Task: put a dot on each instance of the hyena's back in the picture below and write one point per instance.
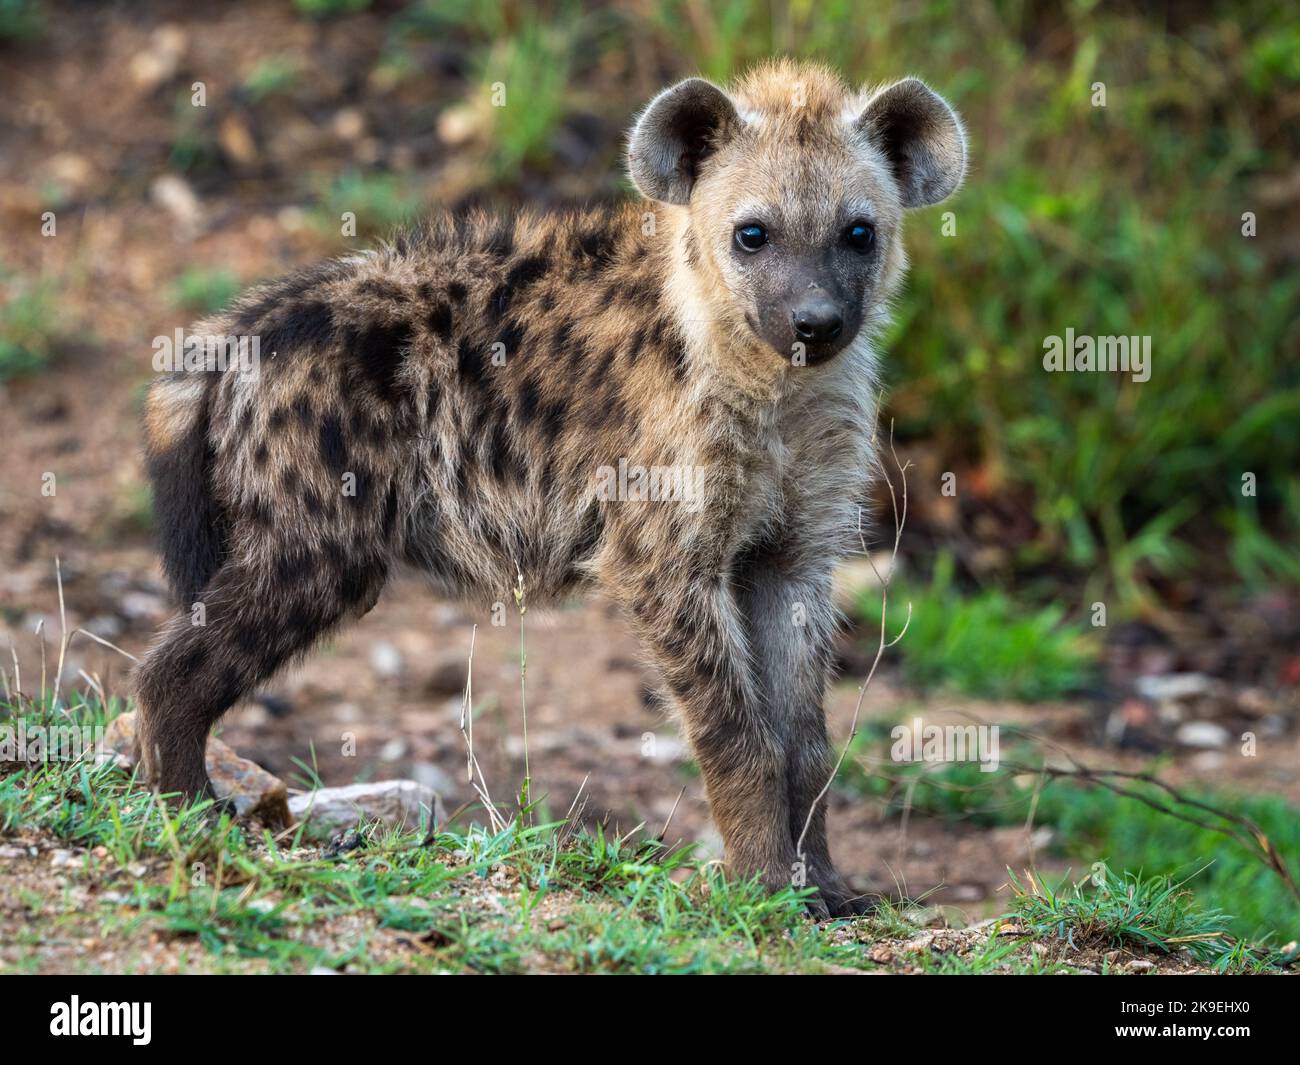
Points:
(444, 401)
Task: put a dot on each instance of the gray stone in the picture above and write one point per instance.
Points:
(398, 803)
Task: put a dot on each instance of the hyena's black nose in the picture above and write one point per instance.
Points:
(818, 321)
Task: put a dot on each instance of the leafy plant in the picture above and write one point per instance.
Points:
(984, 644)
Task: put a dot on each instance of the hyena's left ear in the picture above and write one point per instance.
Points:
(681, 128)
(921, 136)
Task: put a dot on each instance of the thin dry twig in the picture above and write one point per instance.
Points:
(900, 519)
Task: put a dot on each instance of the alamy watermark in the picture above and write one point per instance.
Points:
(30, 743)
(630, 482)
(919, 742)
(1085, 354)
(199, 352)
(77, 1018)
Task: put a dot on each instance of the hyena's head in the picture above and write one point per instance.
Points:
(793, 188)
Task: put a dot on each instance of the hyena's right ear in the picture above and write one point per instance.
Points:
(676, 133)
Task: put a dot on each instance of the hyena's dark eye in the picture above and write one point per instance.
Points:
(860, 236)
(751, 237)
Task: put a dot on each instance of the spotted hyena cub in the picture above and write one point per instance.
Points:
(489, 397)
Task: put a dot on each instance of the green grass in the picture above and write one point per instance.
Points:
(561, 898)
(242, 896)
(21, 19)
(533, 68)
(1093, 824)
(205, 289)
(274, 75)
(1110, 910)
(329, 8)
(28, 324)
(523, 60)
(379, 201)
(194, 147)
(984, 644)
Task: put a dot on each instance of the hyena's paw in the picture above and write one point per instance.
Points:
(837, 898)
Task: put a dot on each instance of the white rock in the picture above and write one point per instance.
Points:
(1202, 734)
(1173, 686)
(385, 659)
(395, 802)
(174, 195)
(394, 750)
(434, 777)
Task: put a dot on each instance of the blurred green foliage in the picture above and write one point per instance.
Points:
(982, 644)
(21, 19)
(28, 318)
(329, 8)
(273, 76)
(205, 289)
(379, 202)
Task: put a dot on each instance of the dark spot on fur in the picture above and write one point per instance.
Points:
(383, 290)
(676, 357)
(593, 527)
(506, 464)
(312, 501)
(597, 245)
(563, 339)
(690, 249)
(635, 345)
(309, 324)
(528, 398)
(390, 511)
(499, 301)
(554, 414)
(333, 449)
(512, 339)
(469, 363)
(362, 486)
(440, 321)
(376, 353)
(357, 581)
(293, 566)
(191, 661)
(527, 271)
(261, 512)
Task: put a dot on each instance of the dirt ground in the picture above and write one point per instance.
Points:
(83, 113)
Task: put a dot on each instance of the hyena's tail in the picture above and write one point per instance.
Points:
(179, 458)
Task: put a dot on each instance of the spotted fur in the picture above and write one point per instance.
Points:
(448, 401)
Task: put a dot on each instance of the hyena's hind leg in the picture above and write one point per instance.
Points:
(255, 618)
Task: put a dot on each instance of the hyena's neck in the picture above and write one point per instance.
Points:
(729, 359)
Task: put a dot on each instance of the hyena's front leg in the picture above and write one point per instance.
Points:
(697, 638)
(791, 626)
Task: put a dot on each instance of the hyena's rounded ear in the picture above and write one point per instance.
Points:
(674, 135)
(921, 136)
